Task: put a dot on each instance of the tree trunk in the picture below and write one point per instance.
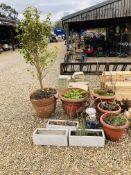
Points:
(40, 80)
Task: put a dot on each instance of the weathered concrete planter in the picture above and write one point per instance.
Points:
(48, 136)
(62, 124)
(95, 138)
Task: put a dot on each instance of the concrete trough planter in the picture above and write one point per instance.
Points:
(48, 136)
(63, 124)
(91, 138)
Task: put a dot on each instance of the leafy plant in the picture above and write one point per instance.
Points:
(108, 106)
(34, 37)
(74, 94)
(118, 120)
(104, 92)
(8, 12)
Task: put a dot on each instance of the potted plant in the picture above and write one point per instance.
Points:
(114, 125)
(72, 99)
(108, 107)
(86, 137)
(34, 38)
(103, 94)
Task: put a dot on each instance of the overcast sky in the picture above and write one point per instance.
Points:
(58, 8)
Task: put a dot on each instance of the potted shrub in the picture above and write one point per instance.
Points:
(108, 107)
(72, 99)
(103, 94)
(114, 125)
(34, 38)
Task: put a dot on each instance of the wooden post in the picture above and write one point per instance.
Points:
(12, 38)
(66, 27)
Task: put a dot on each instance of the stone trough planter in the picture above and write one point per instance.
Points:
(90, 138)
(48, 136)
(62, 124)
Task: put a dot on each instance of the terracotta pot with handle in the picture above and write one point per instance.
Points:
(99, 98)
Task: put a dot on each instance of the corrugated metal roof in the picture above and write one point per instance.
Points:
(89, 9)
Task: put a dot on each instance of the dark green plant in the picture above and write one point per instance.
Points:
(118, 120)
(74, 94)
(8, 12)
(104, 92)
(108, 106)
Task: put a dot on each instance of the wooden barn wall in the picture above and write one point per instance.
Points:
(121, 8)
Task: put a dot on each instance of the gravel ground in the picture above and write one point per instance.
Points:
(18, 155)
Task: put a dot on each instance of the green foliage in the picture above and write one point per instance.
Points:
(8, 11)
(104, 92)
(58, 25)
(118, 120)
(34, 38)
(74, 94)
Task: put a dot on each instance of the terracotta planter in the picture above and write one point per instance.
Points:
(102, 111)
(71, 106)
(113, 133)
(44, 107)
(99, 98)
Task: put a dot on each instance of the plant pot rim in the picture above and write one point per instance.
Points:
(103, 97)
(106, 111)
(88, 130)
(41, 99)
(110, 126)
(71, 100)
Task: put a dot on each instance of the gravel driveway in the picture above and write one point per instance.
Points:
(18, 155)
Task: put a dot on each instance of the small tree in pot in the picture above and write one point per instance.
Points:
(34, 38)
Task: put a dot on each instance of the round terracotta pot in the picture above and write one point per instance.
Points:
(44, 107)
(102, 111)
(99, 98)
(113, 133)
(71, 106)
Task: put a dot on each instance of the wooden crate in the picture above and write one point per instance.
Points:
(123, 95)
(119, 85)
(116, 76)
(120, 82)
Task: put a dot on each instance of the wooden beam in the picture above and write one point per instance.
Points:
(12, 39)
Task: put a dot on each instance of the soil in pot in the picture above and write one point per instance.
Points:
(45, 93)
(114, 125)
(63, 123)
(72, 99)
(86, 133)
(44, 101)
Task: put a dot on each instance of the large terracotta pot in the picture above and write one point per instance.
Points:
(99, 98)
(71, 106)
(102, 111)
(113, 133)
(44, 107)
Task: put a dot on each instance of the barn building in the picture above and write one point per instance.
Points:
(113, 15)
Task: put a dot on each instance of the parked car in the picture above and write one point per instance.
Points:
(52, 39)
(5, 47)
